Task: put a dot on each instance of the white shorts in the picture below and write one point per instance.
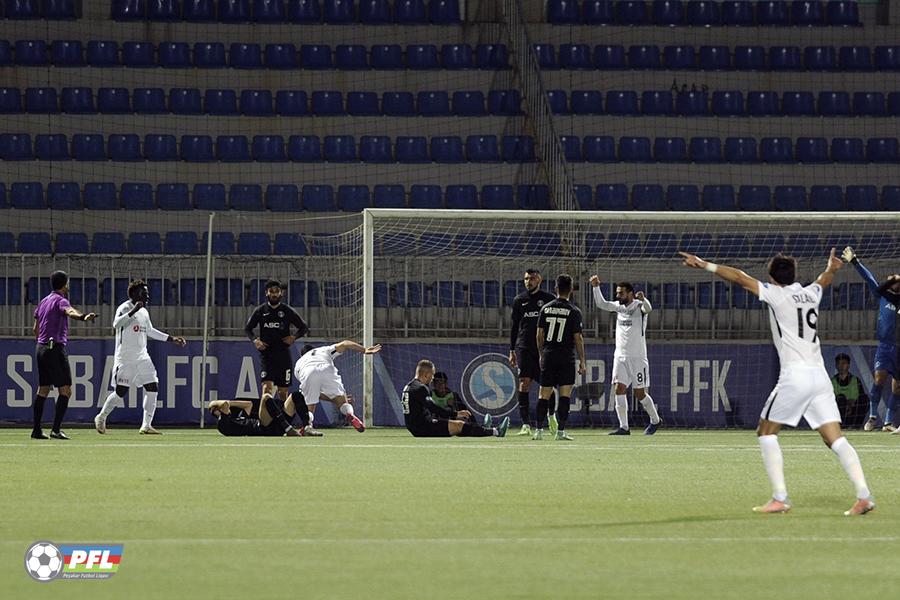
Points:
(138, 373)
(631, 371)
(317, 383)
(802, 392)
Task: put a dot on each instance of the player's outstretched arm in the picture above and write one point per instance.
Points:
(646, 307)
(351, 345)
(849, 256)
(725, 272)
(827, 276)
(601, 302)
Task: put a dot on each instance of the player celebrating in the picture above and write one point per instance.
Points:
(630, 365)
(274, 342)
(558, 335)
(424, 418)
(803, 388)
(319, 379)
(523, 352)
(886, 354)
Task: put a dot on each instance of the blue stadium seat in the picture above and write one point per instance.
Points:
(234, 11)
(598, 12)
(890, 198)
(108, 243)
(624, 244)
(209, 55)
(584, 197)
(185, 101)
(197, 148)
(482, 148)
(77, 100)
(804, 245)
(375, 149)
(426, 196)
(833, 104)
(563, 12)
(222, 243)
(558, 99)
(144, 243)
(772, 13)
(776, 150)
(353, 198)
(291, 103)
(258, 244)
(870, 104)
(173, 196)
(160, 147)
(23, 10)
(72, 243)
(281, 56)
(443, 11)
(304, 148)
(810, 150)
(351, 57)
(113, 100)
(412, 149)
(546, 56)
(635, 149)
(571, 145)
(669, 149)
(364, 103)
(422, 57)
(703, 13)
(220, 102)
(210, 196)
(6, 57)
(648, 197)
(462, 197)
(740, 150)
(621, 103)
(706, 149)
(149, 101)
(15, 146)
(304, 11)
(820, 58)
(199, 11)
(504, 102)
(386, 56)
(733, 245)
(10, 100)
(631, 12)
(887, 58)
(587, 102)
(269, 11)
(517, 148)
(640, 57)
(163, 10)
(534, 197)
(138, 54)
(100, 196)
(124, 147)
(433, 103)
(327, 103)
(318, 198)
(714, 58)
(268, 148)
(35, 243)
(31, 53)
(66, 53)
(290, 244)
(612, 197)
(807, 13)
(232, 148)
(457, 56)
(137, 196)
(497, 197)
(575, 56)
(256, 103)
(855, 58)
(679, 58)
(88, 146)
(245, 56)
(102, 53)
(245, 197)
(64, 196)
(410, 12)
(282, 198)
(41, 100)
(683, 197)
(883, 150)
(727, 104)
(827, 198)
(596, 148)
(847, 150)
(389, 196)
(754, 198)
(842, 12)
(862, 198)
(762, 104)
(51, 147)
(447, 149)
(374, 12)
(339, 11)
(790, 198)
(174, 55)
(608, 58)
(667, 12)
(692, 103)
(719, 198)
(654, 103)
(697, 243)
(794, 104)
(491, 56)
(785, 58)
(749, 58)
(339, 148)
(468, 104)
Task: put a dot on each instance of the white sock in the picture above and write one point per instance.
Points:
(774, 461)
(647, 403)
(311, 416)
(850, 462)
(111, 401)
(149, 408)
(347, 409)
(622, 410)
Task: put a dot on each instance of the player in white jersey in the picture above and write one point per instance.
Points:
(630, 365)
(132, 365)
(319, 379)
(803, 388)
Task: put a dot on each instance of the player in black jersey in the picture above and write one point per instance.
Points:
(523, 351)
(424, 418)
(558, 336)
(235, 418)
(275, 339)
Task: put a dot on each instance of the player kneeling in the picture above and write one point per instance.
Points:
(424, 418)
(234, 418)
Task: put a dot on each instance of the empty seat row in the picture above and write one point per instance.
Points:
(731, 103)
(54, 10)
(268, 148)
(719, 58)
(806, 150)
(191, 101)
(276, 197)
(213, 55)
(375, 12)
(702, 12)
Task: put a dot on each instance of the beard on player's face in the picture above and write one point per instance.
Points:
(274, 297)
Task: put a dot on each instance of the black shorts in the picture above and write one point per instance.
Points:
(559, 369)
(429, 428)
(276, 367)
(53, 365)
(529, 363)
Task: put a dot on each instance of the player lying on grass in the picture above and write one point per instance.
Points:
(234, 418)
(424, 418)
(803, 389)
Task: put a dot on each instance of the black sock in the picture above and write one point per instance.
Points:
(277, 415)
(472, 430)
(551, 404)
(541, 412)
(301, 408)
(562, 413)
(38, 410)
(62, 403)
(523, 408)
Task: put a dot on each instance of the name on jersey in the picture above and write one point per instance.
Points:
(803, 298)
(552, 310)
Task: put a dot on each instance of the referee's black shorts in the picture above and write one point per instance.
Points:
(53, 365)
(429, 428)
(529, 363)
(275, 366)
(559, 369)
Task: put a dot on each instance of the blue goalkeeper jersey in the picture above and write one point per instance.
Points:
(885, 329)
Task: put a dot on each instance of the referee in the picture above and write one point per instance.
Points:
(51, 330)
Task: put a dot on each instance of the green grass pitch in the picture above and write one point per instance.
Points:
(383, 515)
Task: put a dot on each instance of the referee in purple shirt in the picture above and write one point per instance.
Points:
(51, 330)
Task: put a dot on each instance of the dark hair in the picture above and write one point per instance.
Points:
(273, 283)
(841, 357)
(783, 269)
(532, 271)
(626, 286)
(136, 285)
(564, 284)
(58, 280)
(306, 348)
(440, 376)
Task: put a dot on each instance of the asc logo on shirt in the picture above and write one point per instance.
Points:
(489, 385)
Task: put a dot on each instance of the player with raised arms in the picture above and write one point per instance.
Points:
(803, 389)
(133, 365)
(630, 365)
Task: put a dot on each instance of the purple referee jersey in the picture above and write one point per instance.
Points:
(52, 319)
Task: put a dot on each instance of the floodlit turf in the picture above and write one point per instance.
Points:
(382, 515)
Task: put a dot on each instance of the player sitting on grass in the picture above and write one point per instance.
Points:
(234, 418)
